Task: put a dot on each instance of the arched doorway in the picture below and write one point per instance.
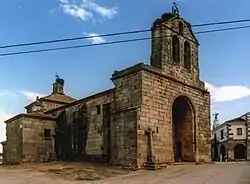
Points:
(183, 130)
(239, 151)
(223, 152)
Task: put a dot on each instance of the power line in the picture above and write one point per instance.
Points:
(221, 23)
(72, 47)
(110, 43)
(115, 34)
(220, 30)
(72, 39)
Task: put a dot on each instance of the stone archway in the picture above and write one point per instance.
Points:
(239, 151)
(183, 130)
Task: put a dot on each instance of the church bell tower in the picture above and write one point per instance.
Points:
(174, 47)
(58, 86)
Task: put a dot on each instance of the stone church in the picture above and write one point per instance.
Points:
(154, 115)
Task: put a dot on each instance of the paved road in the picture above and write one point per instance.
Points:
(226, 173)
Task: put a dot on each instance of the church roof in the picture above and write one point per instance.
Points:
(37, 115)
(56, 97)
(109, 91)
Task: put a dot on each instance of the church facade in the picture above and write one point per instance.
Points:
(154, 115)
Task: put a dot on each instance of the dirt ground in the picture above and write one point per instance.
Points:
(70, 171)
(83, 173)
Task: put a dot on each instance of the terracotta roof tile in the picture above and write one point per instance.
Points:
(37, 115)
(83, 100)
(59, 98)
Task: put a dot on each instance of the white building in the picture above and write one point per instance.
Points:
(231, 139)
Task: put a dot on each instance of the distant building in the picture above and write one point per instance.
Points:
(1, 158)
(154, 114)
(229, 140)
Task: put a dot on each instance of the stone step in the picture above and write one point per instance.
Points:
(53, 157)
(183, 163)
(157, 166)
(191, 163)
(152, 166)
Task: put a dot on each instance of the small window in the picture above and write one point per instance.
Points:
(222, 134)
(47, 133)
(187, 56)
(176, 49)
(239, 131)
(98, 109)
(180, 28)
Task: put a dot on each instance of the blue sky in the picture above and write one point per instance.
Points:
(224, 57)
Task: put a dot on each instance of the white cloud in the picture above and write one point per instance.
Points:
(4, 92)
(108, 13)
(85, 9)
(75, 11)
(95, 38)
(31, 95)
(227, 93)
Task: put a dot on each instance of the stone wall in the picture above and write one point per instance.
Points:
(96, 136)
(148, 93)
(127, 100)
(169, 79)
(92, 122)
(13, 145)
(35, 146)
(162, 51)
(158, 95)
(4, 156)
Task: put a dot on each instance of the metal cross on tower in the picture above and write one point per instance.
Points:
(175, 8)
(216, 114)
(57, 76)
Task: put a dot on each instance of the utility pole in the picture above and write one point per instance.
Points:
(228, 140)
